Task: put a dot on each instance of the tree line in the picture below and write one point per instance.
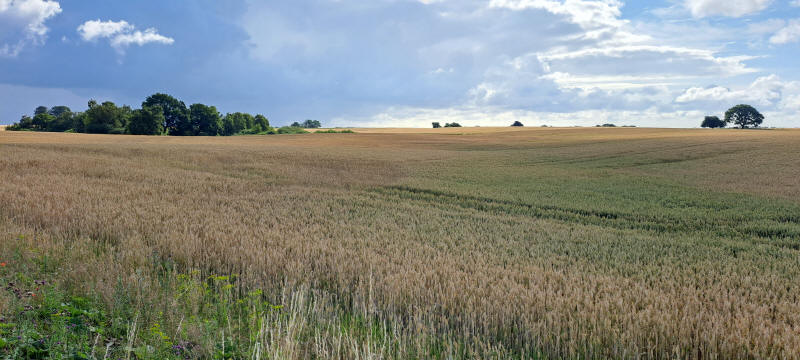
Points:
(160, 114)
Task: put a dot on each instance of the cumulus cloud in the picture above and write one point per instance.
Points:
(731, 8)
(788, 34)
(95, 29)
(121, 34)
(22, 22)
(765, 91)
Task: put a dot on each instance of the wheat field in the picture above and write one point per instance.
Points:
(407, 243)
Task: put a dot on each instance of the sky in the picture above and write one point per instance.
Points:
(407, 63)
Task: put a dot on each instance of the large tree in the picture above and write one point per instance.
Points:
(146, 121)
(106, 118)
(176, 115)
(206, 120)
(261, 121)
(40, 110)
(744, 116)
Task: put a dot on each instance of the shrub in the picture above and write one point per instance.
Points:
(517, 123)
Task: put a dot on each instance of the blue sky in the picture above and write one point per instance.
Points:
(410, 62)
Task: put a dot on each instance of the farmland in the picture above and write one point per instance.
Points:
(403, 243)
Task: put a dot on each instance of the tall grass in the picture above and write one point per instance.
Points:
(531, 243)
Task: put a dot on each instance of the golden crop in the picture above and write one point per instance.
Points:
(497, 242)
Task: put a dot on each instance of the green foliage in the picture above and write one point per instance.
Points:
(176, 115)
(175, 118)
(42, 121)
(146, 121)
(713, 122)
(40, 110)
(517, 123)
(291, 130)
(206, 120)
(236, 123)
(59, 110)
(744, 116)
(436, 124)
(261, 120)
(453, 124)
(308, 124)
(606, 125)
(106, 118)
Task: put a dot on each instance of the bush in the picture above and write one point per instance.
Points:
(436, 125)
(455, 124)
(517, 123)
(291, 130)
(332, 131)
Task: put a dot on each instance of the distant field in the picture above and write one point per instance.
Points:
(404, 243)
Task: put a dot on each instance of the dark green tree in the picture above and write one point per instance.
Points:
(296, 124)
(42, 121)
(106, 118)
(40, 110)
(517, 123)
(146, 121)
(79, 122)
(744, 116)
(436, 125)
(311, 124)
(58, 110)
(262, 121)
(176, 115)
(712, 122)
(454, 124)
(206, 120)
(62, 122)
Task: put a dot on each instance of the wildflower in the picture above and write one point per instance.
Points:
(2, 264)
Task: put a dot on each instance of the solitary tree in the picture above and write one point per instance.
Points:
(712, 122)
(436, 125)
(744, 116)
(517, 123)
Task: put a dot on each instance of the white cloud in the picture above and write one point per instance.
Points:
(731, 8)
(788, 34)
(150, 35)
(587, 14)
(94, 29)
(121, 34)
(22, 22)
(765, 91)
